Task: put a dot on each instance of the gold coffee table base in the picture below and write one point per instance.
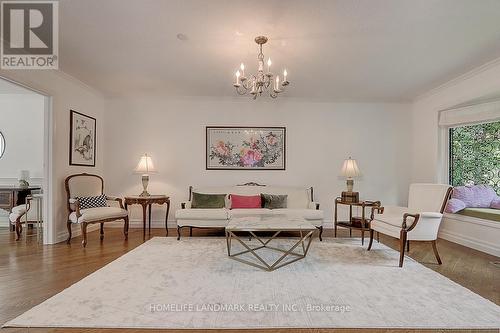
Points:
(304, 240)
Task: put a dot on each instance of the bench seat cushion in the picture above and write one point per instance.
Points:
(482, 213)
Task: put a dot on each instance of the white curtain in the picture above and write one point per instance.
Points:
(478, 113)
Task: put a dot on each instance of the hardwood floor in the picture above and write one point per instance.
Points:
(31, 273)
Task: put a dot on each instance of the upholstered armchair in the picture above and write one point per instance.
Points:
(88, 185)
(419, 221)
(27, 213)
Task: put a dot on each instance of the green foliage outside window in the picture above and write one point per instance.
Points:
(475, 155)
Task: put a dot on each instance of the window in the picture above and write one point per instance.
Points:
(475, 155)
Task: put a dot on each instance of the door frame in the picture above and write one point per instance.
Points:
(49, 226)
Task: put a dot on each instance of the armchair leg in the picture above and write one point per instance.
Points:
(190, 231)
(101, 237)
(434, 247)
(320, 233)
(371, 240)
(19, 229)
(68, 225)
(402, 243)
(125, 228)
(178, 233)
(83, 226)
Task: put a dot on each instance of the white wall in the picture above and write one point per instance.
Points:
(67, 93)
(22, 123)
(319, 137)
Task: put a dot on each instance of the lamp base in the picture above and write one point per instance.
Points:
(350, 184)
(145, 182)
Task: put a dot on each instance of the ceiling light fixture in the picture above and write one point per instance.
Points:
(260, 82)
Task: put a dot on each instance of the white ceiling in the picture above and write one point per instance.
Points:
(343, 50)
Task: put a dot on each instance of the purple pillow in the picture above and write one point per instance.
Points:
(455, 205)
(495, 204)
(477, 196)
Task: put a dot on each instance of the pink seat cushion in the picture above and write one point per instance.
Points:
(245, 201)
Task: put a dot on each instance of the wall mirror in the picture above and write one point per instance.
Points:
(2, 144)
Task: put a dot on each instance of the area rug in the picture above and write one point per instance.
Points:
(191, 283)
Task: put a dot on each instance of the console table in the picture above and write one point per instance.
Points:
(12, 196)
(361, 223)
(146, 202)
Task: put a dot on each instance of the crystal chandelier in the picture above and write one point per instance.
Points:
(260, 82)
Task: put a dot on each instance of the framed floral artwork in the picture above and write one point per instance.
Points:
(245, 148)
(82, 139)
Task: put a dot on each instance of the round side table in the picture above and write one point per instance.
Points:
(146, 202)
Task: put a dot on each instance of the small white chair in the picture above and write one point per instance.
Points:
(88, 185)
(419, 221)
(29, 213)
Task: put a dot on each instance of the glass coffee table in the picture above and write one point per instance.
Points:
(240, 228)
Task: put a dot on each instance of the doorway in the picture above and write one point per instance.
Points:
(26, 155)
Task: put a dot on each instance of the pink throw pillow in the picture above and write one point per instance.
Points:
(454, 205)
(495, 204)
(245, 201)
(476, 196)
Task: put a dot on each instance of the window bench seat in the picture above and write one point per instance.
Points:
(482, 213)
(477, 228)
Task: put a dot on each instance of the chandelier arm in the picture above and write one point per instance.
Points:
(240, 91)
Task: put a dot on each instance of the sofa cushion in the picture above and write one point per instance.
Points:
(202, 214)
(308, 214)
(298, 197)
(204, 200)
(249, 212)
(99, 213)
(245, 201)
(274, 201)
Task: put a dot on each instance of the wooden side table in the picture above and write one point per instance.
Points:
(147, 202)
(361, 223)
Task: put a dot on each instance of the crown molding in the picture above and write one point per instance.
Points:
(453, 82)
(62, 74)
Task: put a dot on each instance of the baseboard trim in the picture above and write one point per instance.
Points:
(76, 231)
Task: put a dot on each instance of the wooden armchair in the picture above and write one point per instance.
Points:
(87, 185)
(419, 221)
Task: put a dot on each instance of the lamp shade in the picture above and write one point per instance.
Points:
(145, 165)
(350, 169)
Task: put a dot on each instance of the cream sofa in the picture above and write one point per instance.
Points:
(300, 202)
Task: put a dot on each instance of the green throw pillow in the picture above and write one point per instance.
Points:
(201, 200)
(273, 201)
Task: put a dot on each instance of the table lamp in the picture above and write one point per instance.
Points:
(350, 170)
(145, 167)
